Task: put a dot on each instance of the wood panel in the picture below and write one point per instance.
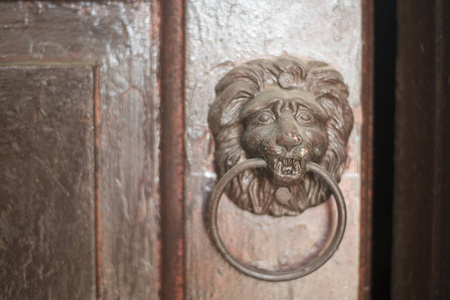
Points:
(122, 41)
(47, 236)
(219, 36)
(421, 257)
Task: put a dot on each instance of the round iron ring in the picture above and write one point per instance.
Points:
(280, 275)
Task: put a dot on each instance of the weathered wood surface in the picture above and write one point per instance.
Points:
(367, 143)
(122, 41)
(47, 233)
(220, 35)
(421, 256)
(172, 150)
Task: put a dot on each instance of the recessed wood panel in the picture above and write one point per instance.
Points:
(47, 232)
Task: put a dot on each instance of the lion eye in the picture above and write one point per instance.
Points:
(305, 117)
(266, 118)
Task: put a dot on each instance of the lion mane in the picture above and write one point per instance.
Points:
(251, 190)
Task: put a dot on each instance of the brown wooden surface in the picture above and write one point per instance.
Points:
(122, 41)
(421, 257)
(47, 247)
(366, 149)
(442, 164)
(119, 44)
(219, 36)
(172, 149)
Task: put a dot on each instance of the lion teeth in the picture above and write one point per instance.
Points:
(287, 161)
(287, 170)
(289, 166)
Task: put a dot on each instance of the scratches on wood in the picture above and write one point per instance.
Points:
(46, 183)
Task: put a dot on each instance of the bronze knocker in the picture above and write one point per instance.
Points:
(281, 128)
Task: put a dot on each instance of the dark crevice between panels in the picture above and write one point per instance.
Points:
(384, 132)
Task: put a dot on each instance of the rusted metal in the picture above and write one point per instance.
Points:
(278, 275)
(172, 149)
(366, 150)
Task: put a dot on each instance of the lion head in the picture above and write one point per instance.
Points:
(288, 112)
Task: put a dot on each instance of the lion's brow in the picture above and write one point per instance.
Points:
(258, 106)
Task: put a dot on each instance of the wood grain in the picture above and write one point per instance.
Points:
(47, 208)
(367, 94)
(172, 149)
(421, 256)
(122, 41)
(219, 36)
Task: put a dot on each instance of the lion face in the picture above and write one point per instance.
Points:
(287, 129)
(288, 112)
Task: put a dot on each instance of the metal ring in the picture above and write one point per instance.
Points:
(267, 274)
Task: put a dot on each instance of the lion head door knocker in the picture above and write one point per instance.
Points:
(281, 128)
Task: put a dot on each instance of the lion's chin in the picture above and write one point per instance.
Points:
(287, 171)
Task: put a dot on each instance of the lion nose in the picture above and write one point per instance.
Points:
(289, 140)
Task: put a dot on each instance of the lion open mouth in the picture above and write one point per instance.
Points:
(286, 170)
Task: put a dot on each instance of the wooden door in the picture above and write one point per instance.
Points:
(106, 155)
(79, 150)
(219, 36)
(421, 244)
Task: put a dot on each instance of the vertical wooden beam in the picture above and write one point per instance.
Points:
(367, 149)
(172, 149)
(98, 219)
(414, 155)
(442, 163)
(421, 210)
